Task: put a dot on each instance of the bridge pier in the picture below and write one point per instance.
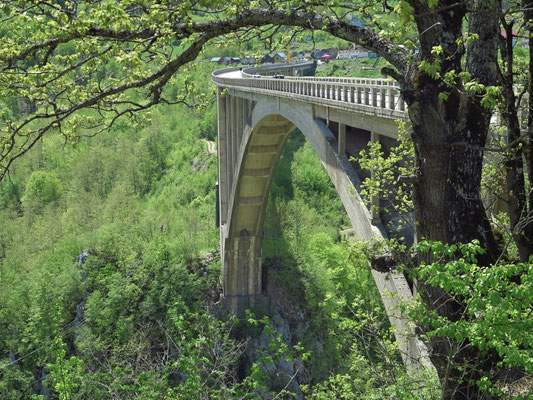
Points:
(375, 206)
(242, 273)
(222, 160)
(342, 140)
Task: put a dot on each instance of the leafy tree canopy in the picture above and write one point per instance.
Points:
(80, 65)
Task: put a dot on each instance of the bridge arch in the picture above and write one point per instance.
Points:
(263, 140)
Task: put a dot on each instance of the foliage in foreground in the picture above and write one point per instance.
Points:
(497, 319)
(134, 319)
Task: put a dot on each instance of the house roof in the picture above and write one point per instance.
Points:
(504, 33)
(357, 22)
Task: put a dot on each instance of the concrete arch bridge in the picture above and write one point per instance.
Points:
(256, 115)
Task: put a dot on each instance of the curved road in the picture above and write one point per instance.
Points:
(211, 147)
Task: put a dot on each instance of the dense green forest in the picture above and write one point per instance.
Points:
(109, 265)
(135, 318)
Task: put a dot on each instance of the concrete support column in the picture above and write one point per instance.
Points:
(401, 104)
(234, 131)
(245, 113)
(239, 120)
(342, 140)
(222, 159)
(374, 206)
(229, 144)
(391, 99)
(242, 272)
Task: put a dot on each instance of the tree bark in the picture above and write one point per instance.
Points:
(447, 135)
(528, 145)
(515, 190)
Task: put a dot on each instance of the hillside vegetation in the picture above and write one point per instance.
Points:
(134, 319)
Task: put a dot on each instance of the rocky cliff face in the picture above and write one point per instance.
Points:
(287, 326)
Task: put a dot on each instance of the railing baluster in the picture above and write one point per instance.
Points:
(401, 103)
(391, 99)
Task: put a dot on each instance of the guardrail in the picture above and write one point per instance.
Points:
(382, 94)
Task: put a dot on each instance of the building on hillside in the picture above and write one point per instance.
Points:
(274, 58)
(222, 60)
(248, 60)
(361, 53)
(346, 54)
(518, 39)
(267, 58)
(280, 57)
(515, 35)
(360, 23)
(318, 53)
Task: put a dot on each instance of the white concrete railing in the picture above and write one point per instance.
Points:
(379, 93)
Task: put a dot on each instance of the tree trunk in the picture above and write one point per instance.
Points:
(449, 209)
(515, 190)
(448, 136)
(528, 145)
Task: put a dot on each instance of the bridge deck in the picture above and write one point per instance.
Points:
(376, 97)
